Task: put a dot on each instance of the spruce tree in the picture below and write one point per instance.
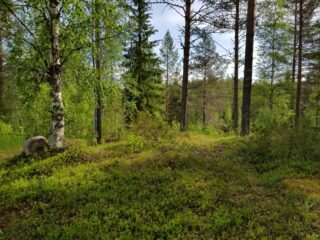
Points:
(143, 89)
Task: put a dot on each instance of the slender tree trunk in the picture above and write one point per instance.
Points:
(273, 65)
(294, 56)
(167, 88)
(56, 138)
(247, 81)
(204, 101)
(186, 55)
(98, 72)
(140, 106)
(299, 79)
(235, 114)
(272, 85)
(318, 104)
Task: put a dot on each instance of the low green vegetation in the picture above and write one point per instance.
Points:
(192, 186)
(128, 137)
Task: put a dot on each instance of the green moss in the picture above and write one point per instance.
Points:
(192, 187)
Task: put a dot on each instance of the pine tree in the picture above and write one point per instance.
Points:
(205, 59)
(274, 45)
(235, 105)
(305, 14)
(170, 57)
(247, 81)
(143, 89)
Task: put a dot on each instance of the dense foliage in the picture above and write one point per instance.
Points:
(89, 76)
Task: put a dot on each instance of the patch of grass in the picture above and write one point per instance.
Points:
(10, 144)
(192, 187)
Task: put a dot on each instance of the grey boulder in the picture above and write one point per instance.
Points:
(35, 144)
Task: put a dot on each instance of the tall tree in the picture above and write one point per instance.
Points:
(205, 61)
(185, 8)
(170, 57)
(274, 39)
(295, 29)
(235, 109)
(305, 16)
(247, 81)
(300, 59)
(294, 53)
(108, 24)
(143, 88)
(57, 114)
(42, 29)
(186, 59)
(97, 63)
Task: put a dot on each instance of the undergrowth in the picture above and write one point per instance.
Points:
(193, 186)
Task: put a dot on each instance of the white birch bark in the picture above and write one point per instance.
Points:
(56, 138)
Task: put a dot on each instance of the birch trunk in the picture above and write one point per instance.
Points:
(56, 138)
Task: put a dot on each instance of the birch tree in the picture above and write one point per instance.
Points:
(44, 36)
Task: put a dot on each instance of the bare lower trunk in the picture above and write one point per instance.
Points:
(273, 65)
(294, 57)
(299, 79)
(98, 84)
(56, 138)
(186, 55)
(167, 87)
(235, 114)
(204, 100)
(247, 81)
(318, 105)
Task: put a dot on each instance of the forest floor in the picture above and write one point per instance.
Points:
(192, 187)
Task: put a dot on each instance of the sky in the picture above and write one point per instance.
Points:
(165, 18)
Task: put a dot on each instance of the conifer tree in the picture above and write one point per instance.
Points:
(274, 45)
(143, 88)
(248, 67)
(205, 61)
(169, 57)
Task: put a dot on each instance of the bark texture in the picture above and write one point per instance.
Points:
(98, 109)
(299, 77)
(204, 100)
(294, 55)
(186, 59)
(56, 138)
(247, 81)
(235, 113)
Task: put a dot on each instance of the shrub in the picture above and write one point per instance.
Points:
(135, 143)
(151, 128)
